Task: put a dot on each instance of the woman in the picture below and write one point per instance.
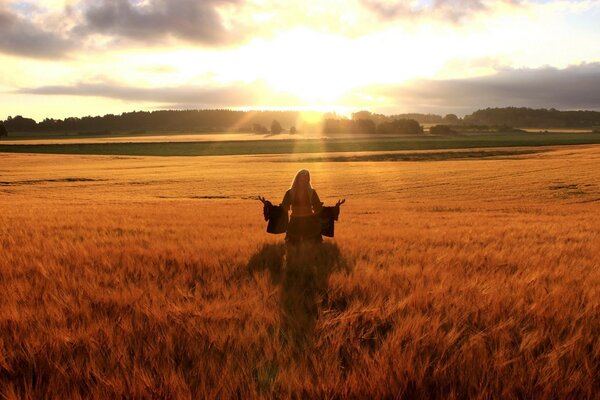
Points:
(309, 219)
(304, 222)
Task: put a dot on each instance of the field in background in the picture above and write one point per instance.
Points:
(149, 137)
(190, 136)
(153, 277)
(213, 145)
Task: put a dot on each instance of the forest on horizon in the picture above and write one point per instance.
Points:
(291, 121)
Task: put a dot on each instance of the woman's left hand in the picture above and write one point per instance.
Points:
(263, 200)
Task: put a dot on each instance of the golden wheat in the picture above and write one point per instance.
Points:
(146, 277)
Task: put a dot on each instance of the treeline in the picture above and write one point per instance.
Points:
(370, 127)
(420, 118)
(501, 118)
(168, 120)
(531, 118)
(263, 122)
(488, 120)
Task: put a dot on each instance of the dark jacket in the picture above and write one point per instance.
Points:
(277, 217)
(312, 204)
(328, 217)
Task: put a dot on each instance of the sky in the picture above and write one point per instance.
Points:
(61, 58)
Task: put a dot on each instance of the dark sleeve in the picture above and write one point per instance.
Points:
(287, 201)
(317, 205)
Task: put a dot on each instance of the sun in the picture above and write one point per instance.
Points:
(299, 68)
(323, 69)
(310, 65)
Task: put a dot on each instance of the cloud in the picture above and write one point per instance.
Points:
(574, 87)
(18, 36)
(235, 95)
(571, 88)
(158, 69)
(31, 30)
(451, 10)
(196, 21)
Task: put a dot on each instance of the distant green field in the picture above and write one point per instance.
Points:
(308, 145)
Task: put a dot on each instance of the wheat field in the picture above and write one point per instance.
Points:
(153, 277)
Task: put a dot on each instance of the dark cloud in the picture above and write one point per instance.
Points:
(575, 87)
(451, 10)
(192, 20)
(152, 21)
(253, 94)
(21, 37)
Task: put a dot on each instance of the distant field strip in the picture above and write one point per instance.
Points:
(425, 156)
(36, 181)
(306, 146)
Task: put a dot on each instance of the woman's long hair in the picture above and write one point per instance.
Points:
(295, 183)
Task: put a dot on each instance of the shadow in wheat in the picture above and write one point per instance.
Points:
(303, 272)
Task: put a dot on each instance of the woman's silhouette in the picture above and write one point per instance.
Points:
(309, 218)
(305, 223)
(304, 201)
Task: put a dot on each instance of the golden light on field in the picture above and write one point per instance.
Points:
(134, 257)
(153, 276)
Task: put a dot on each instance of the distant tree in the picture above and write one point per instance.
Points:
(366, 126)
(293, 130)
(276, 127)
(20, 124)
(400, 127)
(451, 119)
(420, 118)
(377, 118)
(3, 131)
(442, 130)
(361, 115)
(258, 128)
